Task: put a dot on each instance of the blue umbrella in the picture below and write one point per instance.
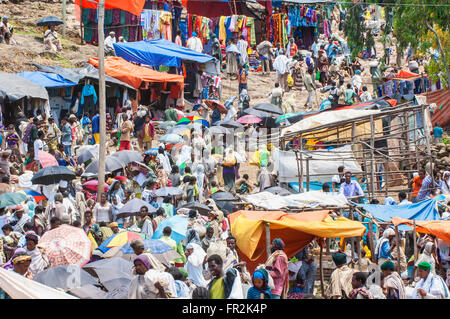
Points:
(153, 151)
(156, 247)
(171, 139)
(49, 21)
(177, 223)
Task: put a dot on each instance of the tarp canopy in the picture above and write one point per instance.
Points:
(78, 74)
(424, 210)
(133, 6)
(217, 8)
(16, 87)
(296, 230)
(322, 162)
(335, 117)
(48, 80)
(271, 201)
(158, 52)
(134, 74)
(403, 75)
(439, 228)
(20, 287)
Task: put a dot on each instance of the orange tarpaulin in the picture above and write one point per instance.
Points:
(133, 6)
(296, 230)
(439, 228)
(134, 75)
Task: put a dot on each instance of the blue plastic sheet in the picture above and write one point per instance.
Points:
(158, 52)
(47, 80)
(425, 210)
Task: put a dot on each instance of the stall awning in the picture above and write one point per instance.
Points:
(133, 6)
(16, 87)
(296, 230)
(78, 74)
(424, 210)
(48, 80)
(133, 74)
(439, 228)
(158, 52)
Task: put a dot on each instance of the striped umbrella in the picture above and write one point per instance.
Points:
(193, 119)
(120, 239)
(36, 196)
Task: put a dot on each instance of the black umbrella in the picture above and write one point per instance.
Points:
(230, 124)
(112, 163)
(224, 201)
(202, 209)
(219, 130)
(49, 21)
(52, 175)
(168, 191)
(269, 108)
(87, 155)
(222, 196)
(277, 190)
(258, 113)
(65, 277)
(128, 156)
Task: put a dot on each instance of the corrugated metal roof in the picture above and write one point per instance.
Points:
(440, 98)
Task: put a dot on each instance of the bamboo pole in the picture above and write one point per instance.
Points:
(307, 174)
(268, 243)
(416, 253)
(397, 241)
(372, 164)
(64, 12)
(358, 251)
(102, 95)
(321, 271)
(81, 23)
(298, 172)
(371, 241)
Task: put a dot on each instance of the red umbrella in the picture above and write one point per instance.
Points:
(93, 185)
(47, 159)
(67, 245)
(249, 119)
(121, 178)
(212, 103)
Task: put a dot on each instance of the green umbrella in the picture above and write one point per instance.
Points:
(283, 117)
(9, 199)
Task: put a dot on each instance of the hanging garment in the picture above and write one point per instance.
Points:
(222, 30)
(88, 90)
(232, 26)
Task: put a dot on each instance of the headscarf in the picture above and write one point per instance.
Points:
(9, 264)
(32, 237)
(150, 261)
(445, 184)
(192, 237)
(428, 249)
(198, 254)
(388, 265)
(261, 274)
(389, 201)
(20, 258)
(386, 234)
(278, 243)
(339, 258)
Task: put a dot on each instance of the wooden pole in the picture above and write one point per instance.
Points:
(102, 95)
(321, 271)
(298, 170)
(81, 23)
(371, 241)
(307, 174)
(397, 241)
(267, 227)
(301, 165)
(352, 239)
(64, 12)
(416, 253)
(358, 251)
(372, 162)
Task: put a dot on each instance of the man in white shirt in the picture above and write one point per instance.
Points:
(338, 179)
(147, 226)
(51, 40)
(430, 286)
(38, 146)
(402, 199)
(365, 96)
(194, 43)
(109, 41)
(242, 46)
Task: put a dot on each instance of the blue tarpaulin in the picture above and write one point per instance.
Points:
(158, 52)
(424, 210)
(48, 80)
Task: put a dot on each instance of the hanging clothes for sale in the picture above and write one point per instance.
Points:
(88, 99)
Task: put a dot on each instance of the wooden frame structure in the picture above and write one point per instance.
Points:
(388, 145)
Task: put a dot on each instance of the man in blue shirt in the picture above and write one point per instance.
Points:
(437, 132)
(331, 50)
(96, 128)
(350, 188)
